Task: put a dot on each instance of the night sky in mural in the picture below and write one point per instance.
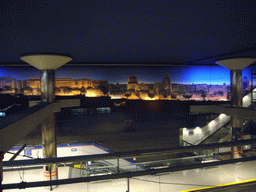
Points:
(114, 74)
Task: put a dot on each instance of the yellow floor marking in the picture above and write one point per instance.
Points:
(233, 183)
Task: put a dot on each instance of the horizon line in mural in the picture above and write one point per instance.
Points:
(178, 74)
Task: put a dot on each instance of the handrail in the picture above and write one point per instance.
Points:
(24, 185)
(189, 144)
(141, 153)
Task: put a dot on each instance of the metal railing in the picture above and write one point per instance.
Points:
(112, 165)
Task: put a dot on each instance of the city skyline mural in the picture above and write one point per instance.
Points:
(120, 74)
(130, 82)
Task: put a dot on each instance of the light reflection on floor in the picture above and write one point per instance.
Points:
(170, 182)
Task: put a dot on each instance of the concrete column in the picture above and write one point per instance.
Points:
(236, 88)
(47, 85)
(235, 66)
(49, 137)
(1, 175)
(181, 136)
(237, 125)
(236, 101)
(48, 63)
(49, 145)
(1, 169)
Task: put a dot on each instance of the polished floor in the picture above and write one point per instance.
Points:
(168, 182)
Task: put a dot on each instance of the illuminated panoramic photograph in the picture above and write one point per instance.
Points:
(145, 83)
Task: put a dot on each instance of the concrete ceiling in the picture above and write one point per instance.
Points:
(124, 31)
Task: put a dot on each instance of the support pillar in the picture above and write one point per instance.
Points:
(1, 169)
(236, 88)
(48, 63)
(47, 85)
(236, 101)
(235, 66)
(1, 175)
(49, 147)
(49, 144)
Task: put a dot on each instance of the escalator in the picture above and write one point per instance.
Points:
(219, 127)
(224, 133)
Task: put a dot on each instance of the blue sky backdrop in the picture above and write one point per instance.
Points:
(120, 74)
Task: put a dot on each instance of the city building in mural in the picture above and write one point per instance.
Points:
(133, 89)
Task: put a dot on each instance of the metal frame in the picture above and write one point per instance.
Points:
(24, 185)
(130, 154)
